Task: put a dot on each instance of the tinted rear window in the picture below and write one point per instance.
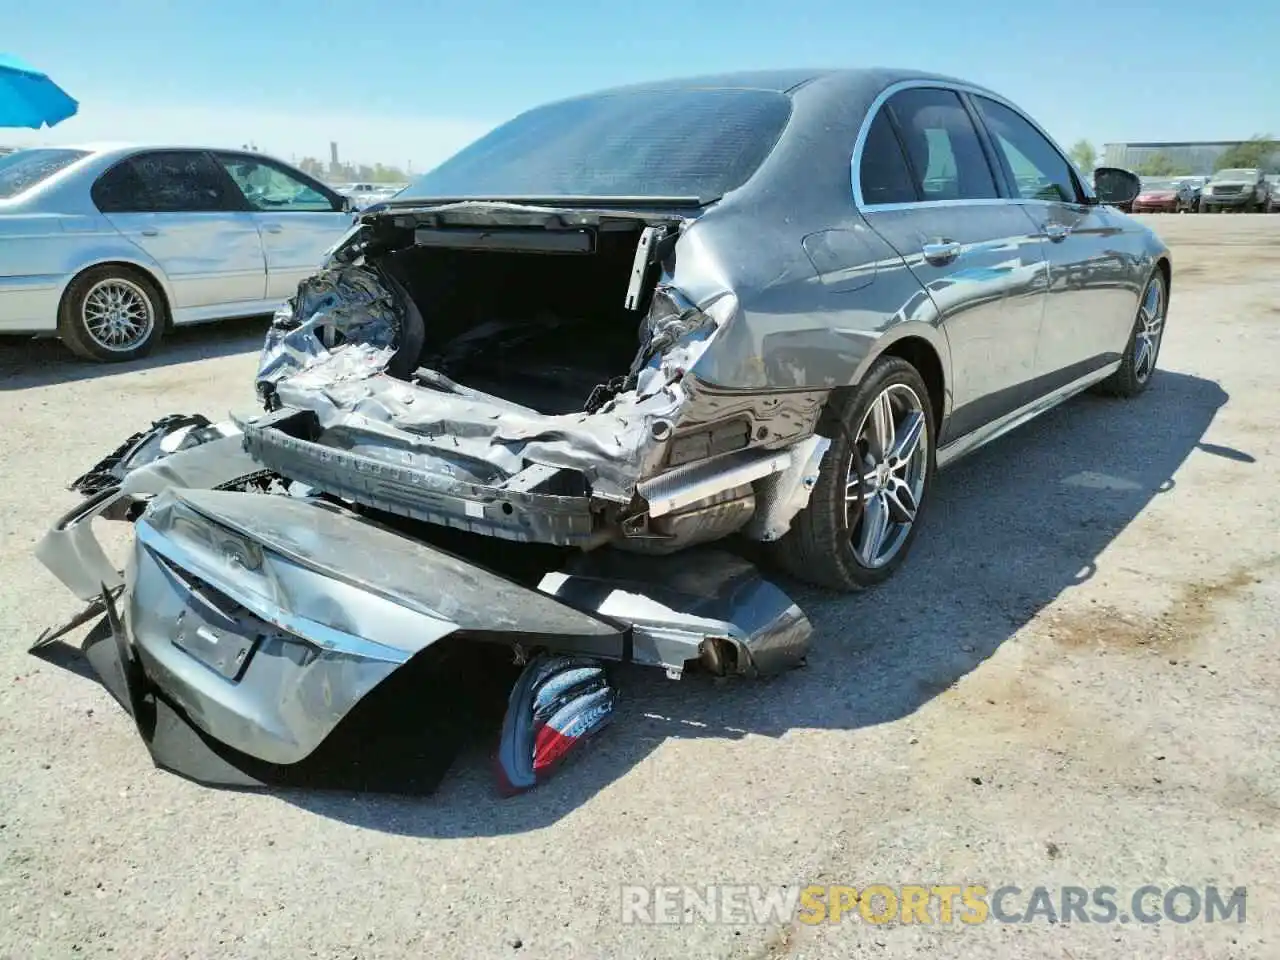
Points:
(25, 169)
(669, 143)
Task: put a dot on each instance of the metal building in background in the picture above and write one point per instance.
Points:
(1197, 158)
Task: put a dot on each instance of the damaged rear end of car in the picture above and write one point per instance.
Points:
(530, 373)
(561, 367)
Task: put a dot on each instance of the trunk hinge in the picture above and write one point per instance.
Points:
(640, 265)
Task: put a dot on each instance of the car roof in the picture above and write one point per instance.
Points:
(125, 147)
(782, 80)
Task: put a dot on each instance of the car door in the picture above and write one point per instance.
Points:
(1090, 307)
(971, 249)
(299, 219)
(179, 207)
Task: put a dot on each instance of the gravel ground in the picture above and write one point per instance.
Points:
(1074, 681)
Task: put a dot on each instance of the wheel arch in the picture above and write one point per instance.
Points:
(922, 346)
(1166, 270)
(126, 266)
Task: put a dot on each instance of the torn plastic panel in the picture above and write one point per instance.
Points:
(700, 606)
(556, 706)
(70, 550)
(168, 435)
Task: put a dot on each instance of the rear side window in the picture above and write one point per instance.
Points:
(676, 142)
(1039, 172)
(24, 169)
(946, 157)
(165, 182)
(884, 176)
(119, 190)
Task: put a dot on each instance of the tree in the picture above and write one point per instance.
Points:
(1258, 151)
(1084, 156)
(1162, 165)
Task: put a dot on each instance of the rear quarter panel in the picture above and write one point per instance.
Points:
(817, 301)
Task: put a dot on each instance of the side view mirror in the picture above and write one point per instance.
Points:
(1116, 186)
(347, 205)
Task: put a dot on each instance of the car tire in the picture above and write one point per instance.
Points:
(112, 314)
(1142, 352)
(827, 544)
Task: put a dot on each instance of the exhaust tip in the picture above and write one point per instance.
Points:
(718, 656)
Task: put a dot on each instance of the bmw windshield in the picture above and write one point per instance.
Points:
(644, 144)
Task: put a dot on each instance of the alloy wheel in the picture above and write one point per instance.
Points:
(1150, 329)
(886, 478)
(118, 314)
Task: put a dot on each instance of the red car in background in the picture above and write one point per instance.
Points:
(1165, 196)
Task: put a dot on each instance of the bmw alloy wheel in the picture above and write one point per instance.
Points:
(118, 314)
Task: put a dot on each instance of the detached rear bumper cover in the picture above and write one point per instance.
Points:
(267, 619)
(248, 627)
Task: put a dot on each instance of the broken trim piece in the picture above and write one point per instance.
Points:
(781, 496)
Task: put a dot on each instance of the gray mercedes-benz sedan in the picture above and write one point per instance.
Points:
(619, 326)
(767, 303)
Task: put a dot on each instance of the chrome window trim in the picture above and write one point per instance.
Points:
(961, 89)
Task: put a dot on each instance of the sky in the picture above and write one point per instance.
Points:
(409, 82)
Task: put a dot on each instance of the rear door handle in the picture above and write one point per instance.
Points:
(941, 251)
(272, 227)
(149, 232)
(1056, 232)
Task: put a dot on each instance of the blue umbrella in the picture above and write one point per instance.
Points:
(28, 98)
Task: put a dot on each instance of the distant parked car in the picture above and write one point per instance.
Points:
(1236, 189)
(1273, 192)
(108, 246)
(1197, 188)
(1164, 196)
(365, 194)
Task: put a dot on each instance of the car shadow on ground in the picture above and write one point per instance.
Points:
(1008, 530)
(37, 362)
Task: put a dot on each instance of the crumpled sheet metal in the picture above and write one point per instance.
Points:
(350, 393)
(555, 707)
(383, 417)
(347, 298)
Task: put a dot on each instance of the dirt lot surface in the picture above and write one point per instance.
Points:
(1075, 681)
